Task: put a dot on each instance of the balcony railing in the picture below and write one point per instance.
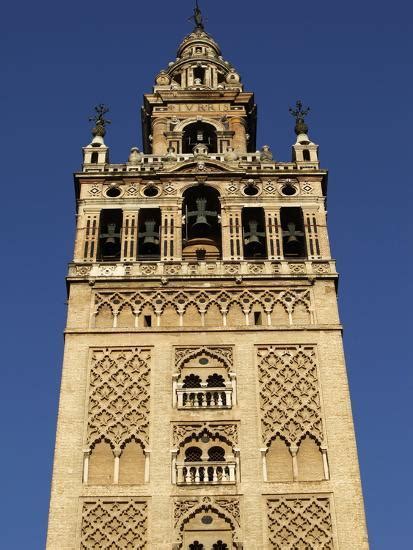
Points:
(206, 473)
(204, 398)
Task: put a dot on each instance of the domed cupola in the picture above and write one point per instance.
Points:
(199, 64)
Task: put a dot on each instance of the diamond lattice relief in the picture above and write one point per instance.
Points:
(300, 523)
(119, 396)
(112, 525)
(289, 394)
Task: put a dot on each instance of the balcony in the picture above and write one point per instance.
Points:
(204, 398)
(206, 473)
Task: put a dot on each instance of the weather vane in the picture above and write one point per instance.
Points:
(100, 120)
(299, 113)
(197, 18)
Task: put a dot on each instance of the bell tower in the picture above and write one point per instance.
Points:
(204, 400)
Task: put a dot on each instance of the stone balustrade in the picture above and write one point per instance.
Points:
(206, 473)
(204, 398)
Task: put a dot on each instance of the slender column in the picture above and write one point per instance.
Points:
(159, 141)
(86, 458)
(233, 378)
(147, 465)
(325, 463)
(274, 234)
(237, 467)
(293, 451)
(117, 454)
(129, 236)
(264, 463)
(174, 388)
(239, 141)
(174, 452)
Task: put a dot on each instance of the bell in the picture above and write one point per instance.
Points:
(201, 214)
(111, 234)
(150, 237)
(292, 233)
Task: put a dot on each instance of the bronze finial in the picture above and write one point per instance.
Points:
(300, 113)
(100, 120)
(197, 18)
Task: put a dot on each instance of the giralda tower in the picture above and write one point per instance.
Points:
(204, 401)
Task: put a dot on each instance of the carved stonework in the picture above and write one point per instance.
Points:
(300, 523)
(223, 354)
(180, 300)
(183, 432)
(119, 396)
(289, 394)
(109, 524)
(187, 508)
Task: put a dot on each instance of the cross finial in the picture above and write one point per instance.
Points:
(100, 120)
(197, 17)
(299, 113)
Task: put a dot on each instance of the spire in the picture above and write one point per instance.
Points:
(300, 113)
(96, 154)
(305, 152)
(197, 18)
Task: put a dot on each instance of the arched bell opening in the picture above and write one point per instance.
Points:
(253, 223)
(201, 224)
(110, 228)
(199, 133)
(149, 247)
(292, 224)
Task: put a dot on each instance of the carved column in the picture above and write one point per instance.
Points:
(159, 140)
(232, 248)
(87, 238)
(239, 141)
(171, 234)
(274, 234)
(129, 236)
(317, 218)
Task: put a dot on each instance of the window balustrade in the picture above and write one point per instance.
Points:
(204, 397)
(206, 473)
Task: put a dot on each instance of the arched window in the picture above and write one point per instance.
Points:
(192, 381)
(193, 454)
(216, 454)
(219, 545)
(196, 546)
(110, 235)
(199, 133)
(306, 155)
(94, 158)
(202, 224)
(292, 224)
(215, 381)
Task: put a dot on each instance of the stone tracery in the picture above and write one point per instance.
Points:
(108, 524)
(119, 396)
(300, 523)
(289, 394)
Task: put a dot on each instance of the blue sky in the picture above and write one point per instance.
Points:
(350, 61)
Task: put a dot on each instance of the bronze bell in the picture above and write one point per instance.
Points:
(292, 233)
(201, 214)
(150, 235)
(111, 234)
(253, 239)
